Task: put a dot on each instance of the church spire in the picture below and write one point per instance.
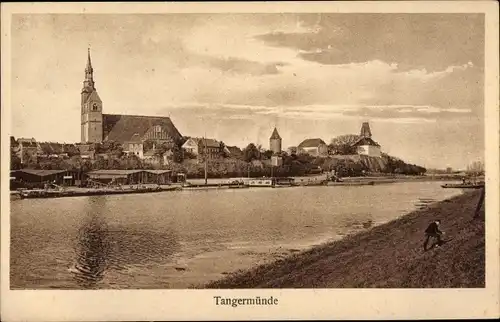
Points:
(89, 69)
(88, 82)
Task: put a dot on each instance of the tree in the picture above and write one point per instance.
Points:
(267, 154)
(130, 162)
(251, 152)
(476, 168)
(100, 164)
(188, 154)
(177, 155)
(15, 162)
(343, 144)
(223, 152)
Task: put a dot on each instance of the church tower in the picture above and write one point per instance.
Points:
(275, 142)
(91, 104)
(365, 131)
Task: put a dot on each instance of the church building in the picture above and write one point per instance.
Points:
(129, 130)
(365, 145)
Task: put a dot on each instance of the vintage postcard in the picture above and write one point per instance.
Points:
(204, 161)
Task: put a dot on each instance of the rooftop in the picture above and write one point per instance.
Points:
(311, 143)
(275, 135)
(123, 128)
(115, 172)
(41, 173)
(210, 143)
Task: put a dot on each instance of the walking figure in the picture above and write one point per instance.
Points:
(434, 232)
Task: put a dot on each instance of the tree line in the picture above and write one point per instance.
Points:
(253, 161)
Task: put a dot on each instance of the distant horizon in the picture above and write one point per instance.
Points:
(416, 78)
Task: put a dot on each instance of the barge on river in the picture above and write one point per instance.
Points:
(191, 186)
(272, 182)
(464, 185)
(49, 193)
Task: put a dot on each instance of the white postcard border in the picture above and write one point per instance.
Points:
(58, 305)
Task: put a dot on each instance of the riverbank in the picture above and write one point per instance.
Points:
(387, 256)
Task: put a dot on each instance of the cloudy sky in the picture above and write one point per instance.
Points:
(417, 78)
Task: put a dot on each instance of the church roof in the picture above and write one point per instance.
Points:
(275, 135)
(311, 143)
(124, 128)
(94, 97)
(365, 141)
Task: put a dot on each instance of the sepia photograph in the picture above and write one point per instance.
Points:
(234, 150)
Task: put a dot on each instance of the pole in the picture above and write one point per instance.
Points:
(205, 151)
(480, 202)
(206, 160)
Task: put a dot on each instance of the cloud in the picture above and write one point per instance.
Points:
(368, 84)
(418, 112)
(244, 66)
(414, 41)
(403, 120)
(423, 74)
(383, 113)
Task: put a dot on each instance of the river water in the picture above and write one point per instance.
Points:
(184, 238)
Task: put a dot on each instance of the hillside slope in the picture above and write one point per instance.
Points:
(387, 256)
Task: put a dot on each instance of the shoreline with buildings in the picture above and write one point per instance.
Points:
(137, 142)
(117, 150)
(385, 256)
(56, 191)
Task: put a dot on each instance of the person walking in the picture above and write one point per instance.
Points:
(433, 231)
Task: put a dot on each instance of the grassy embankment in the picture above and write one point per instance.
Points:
(387, 256)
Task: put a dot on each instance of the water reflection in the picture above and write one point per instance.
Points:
(92, 247)
(103, 246)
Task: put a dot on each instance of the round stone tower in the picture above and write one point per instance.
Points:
(275, 142)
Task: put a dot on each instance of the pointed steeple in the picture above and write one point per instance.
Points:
(365, 130)
(275, 135)
(88, 82)
(89, 68)
(275, 142)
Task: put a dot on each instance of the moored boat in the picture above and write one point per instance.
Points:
(352, 183)
(274, 182)
(45, 193)
(463, 185)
